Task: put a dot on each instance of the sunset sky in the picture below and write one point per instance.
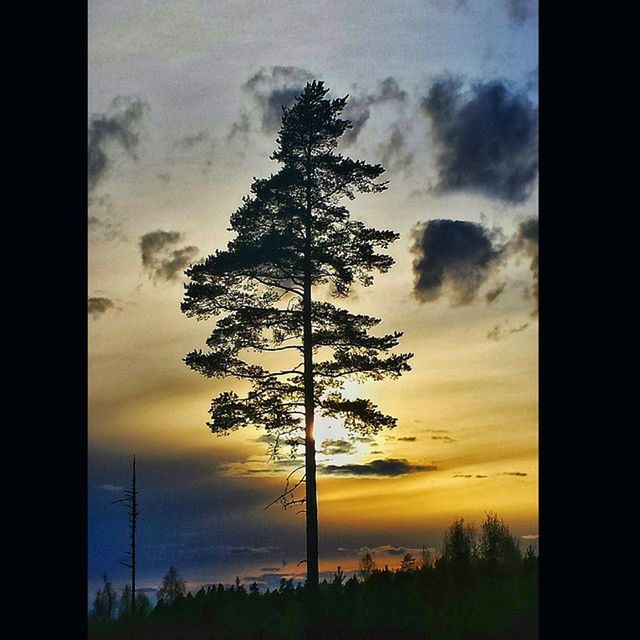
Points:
(184, 105)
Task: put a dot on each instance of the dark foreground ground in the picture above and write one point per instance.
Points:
(416, 605)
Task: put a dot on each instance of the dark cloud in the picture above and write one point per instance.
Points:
(498, 332)
(336, 447)
(386, 467)
(453, 258)
(519, 11)
(486, 138)
(119, 126)
(408, 439)
(99, 306)
(512, 473)
(525, 242)
(358, 109)
(437, 430)
(160, 256)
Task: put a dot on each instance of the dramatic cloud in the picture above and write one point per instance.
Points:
(453, 258)
(408, 439)
(119, 126)
(358, 110)
(98, 306)
(336, 447)
(525, 242)
(512, 473)
(389, 467)
(486, 138)
(160, 256)
(519, 11)
(498, 332)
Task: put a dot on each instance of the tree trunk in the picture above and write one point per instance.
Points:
(311, 504)
(134, 515)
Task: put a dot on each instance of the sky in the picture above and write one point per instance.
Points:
(184, 106)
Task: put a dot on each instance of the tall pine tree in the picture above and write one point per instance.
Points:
(293, 238)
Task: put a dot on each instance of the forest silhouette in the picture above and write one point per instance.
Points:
(480, 586)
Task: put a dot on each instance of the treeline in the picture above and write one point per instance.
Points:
(481, 586)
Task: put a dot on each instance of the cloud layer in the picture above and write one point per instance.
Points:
(486, 138)
(383, 467)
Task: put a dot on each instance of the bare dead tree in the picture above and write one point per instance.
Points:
(130, 501)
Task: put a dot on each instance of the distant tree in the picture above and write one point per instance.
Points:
(367, 566)
(294, 237)
(408, 563)
(338, 577)
(459, 545)
(143, 605)
(172, 589)
(98, 608)
(530, 559)
(105, 601)
(124, 604)
(497, 546)
(427, 559)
